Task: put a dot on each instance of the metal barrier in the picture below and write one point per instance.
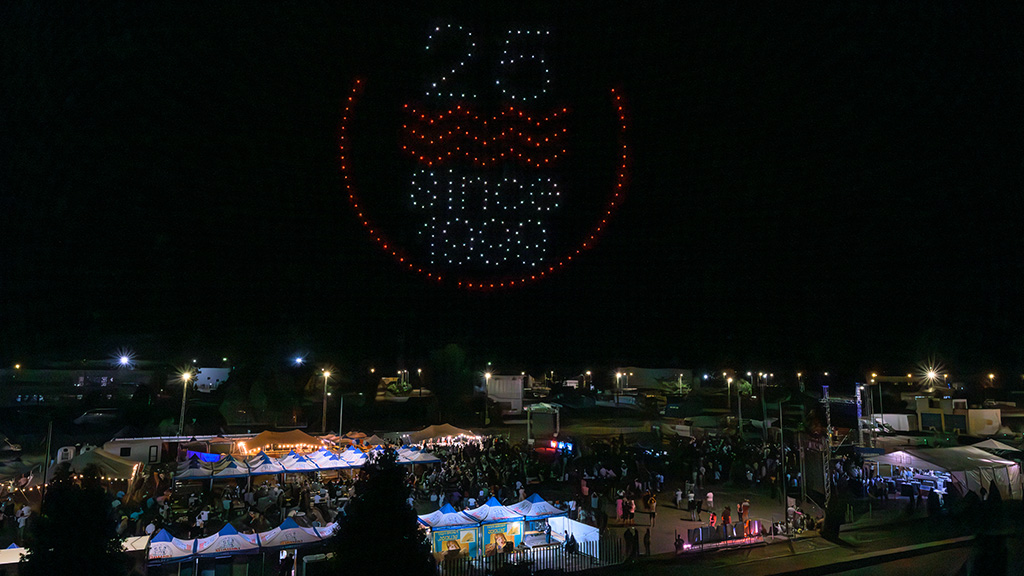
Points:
(604, 552)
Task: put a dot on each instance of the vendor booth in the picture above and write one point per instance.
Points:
(166, 549)
(536, 511)
(501, 528)
(961, 468)
(288, 535)
(262, 464)
(452, 534)
(227, 542)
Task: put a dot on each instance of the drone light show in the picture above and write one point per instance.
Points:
(481, 173)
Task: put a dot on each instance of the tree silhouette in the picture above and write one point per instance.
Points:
(74, 532)
(379, 533)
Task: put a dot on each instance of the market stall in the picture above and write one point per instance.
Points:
(501, 528)
(452, 534)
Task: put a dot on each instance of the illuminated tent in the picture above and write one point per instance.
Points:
(264, 464)
(419, 458)
(438, 431)
(193, 469)
(290, 439)
(996, 447)
(109, 465)
(492, 511)
(447, 517)
(970, 468)
(288, 535)
(536, 508)
(297, 463)
(354, 457)
(327, 460)
(164, 548)
(229, 467)
(227, 542)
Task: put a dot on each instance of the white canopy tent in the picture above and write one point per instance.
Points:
(229, 467)
(536, 508)
(165, 548)
(989, 445)
(492, 512)
(227, 542)
(297, 463)
(970, 468)
(288, 535)
(262, 463)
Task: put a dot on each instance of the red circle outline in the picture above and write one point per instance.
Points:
(384, 244)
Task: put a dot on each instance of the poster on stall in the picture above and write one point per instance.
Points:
(501, 538)
(454, 543)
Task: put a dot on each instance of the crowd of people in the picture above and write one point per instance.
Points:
(609, 477)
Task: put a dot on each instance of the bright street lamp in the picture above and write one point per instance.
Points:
(185, 378)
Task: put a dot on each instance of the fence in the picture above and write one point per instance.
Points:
(604, 552)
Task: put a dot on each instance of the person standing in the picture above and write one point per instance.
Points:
(631, 511)
(654, 509)
(710, 499)
(679, 498)
(618, 509)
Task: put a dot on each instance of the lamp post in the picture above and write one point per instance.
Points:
(739, 407)
(615, 392)
(487, 383)
(185, 378)
(728, 383)
(323, 418)
(761, 378)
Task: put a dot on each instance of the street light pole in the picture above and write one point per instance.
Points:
(728, 392)
(761, 378)
(782, 460)
(185, 378)
(323, 418)
(739, 407)
(487, 383)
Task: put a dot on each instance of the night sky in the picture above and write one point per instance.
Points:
(828, 185)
